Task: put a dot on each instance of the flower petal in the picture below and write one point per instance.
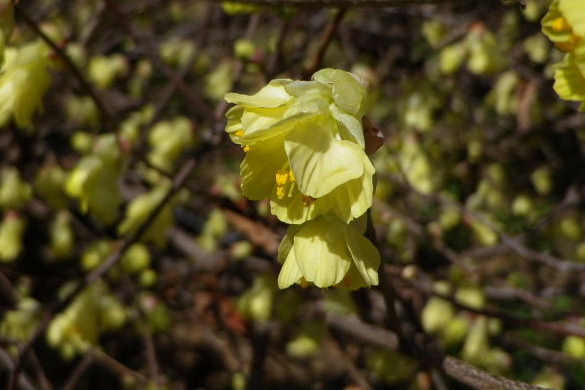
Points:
(348, 93)
(353, 126)
(272, 95)
(352, 199)
(289, 272)
(572, 10)
(259, 167)
(319, 161)
(295, 209)
(569, 82)
(365, 256)
(321, 252)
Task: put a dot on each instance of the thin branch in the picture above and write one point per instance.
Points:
(78, 372)
(115, 366)
(102, 107)
(325, 42)
(195, 101)
(455, 368)
(152, 360)
(42, 379)
(347, 3)
(362, 331)
(482, 380)
(23, 381)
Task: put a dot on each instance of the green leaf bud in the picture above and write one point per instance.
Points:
(574, 346)
(542, 180)
(452, 57)
(434, 32)
(437, 314)
(14, 192)
(49, 184)
(244, 49)
(95, 181)
(168, 140)
(476, 347)
(177, 51)
(62, 236)
(93, 312)
(136, 259)
(147, 277)
(522, 205)
(308, 342)
(95, 255)
(104, 70)
(139, 210)
(21, 323)
(471, 296)
(235, 8)
(256, 303)
(11, 233)
(485, 56)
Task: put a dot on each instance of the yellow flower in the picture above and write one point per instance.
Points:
(23, 82)
(304, 146)
(327, 253)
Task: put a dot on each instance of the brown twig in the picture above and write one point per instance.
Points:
(115, 366)
(325, 42)
(153, 366)
(42, 379)
(482, 380)
(23, 381)
(106, 115)
(363, 331)
(78, 371)
(347, 3)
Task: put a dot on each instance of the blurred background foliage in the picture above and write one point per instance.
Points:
(129, 258)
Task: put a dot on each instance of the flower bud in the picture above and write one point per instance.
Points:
(62, 237)
(136, 259)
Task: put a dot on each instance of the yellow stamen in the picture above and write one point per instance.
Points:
(560, 24)
(246, 148)
(280, 193)
(282, 177)
(284, 183)
(239, 133)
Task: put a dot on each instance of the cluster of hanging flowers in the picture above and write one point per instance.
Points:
(564, 25)
(305, 152)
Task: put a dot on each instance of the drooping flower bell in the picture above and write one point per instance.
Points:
(306, 152)
(328, 253)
